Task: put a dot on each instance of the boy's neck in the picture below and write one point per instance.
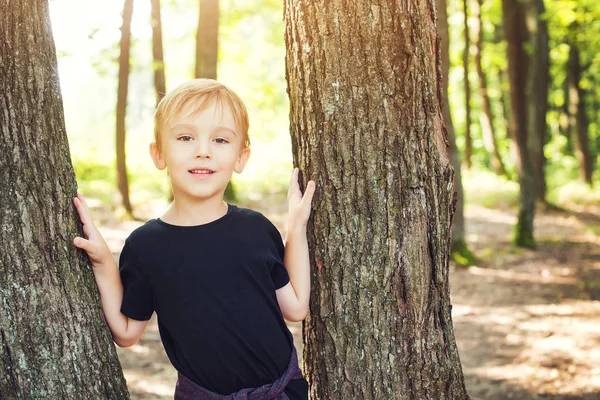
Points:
(194, 213)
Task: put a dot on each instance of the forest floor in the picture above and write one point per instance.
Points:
(527, 323)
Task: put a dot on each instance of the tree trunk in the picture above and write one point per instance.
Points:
(538, 101)
(122, 179)
(504, 87)
(366, 95)
(486, 118)
(577, 118)
(157, 52)
(503, 83)
(53, 341)
(514, 13)
(468, 139)
(207, 39)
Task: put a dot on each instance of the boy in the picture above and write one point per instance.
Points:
(215, 274)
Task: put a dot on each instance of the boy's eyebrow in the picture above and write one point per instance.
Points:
(215, 129)
(224, 128)
(186, 126)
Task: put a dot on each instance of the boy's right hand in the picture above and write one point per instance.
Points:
(94, 244)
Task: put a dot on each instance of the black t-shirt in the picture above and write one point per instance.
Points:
(212, 287)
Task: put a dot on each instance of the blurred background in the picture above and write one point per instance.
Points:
(526, 321)
(250, 60)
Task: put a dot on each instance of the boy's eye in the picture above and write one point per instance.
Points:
(185, 138)
(221, 140)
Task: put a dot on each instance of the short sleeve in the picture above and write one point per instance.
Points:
(279, 274)
(137, 293)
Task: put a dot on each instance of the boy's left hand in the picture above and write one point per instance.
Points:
(299, 206)
(93, 243)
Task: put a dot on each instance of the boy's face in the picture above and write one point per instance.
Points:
(201, 151)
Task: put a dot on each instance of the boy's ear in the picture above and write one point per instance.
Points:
(242, 160)
(157, 157)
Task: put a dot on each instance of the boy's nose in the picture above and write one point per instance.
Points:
(203, 149)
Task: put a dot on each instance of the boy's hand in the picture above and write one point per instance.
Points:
(298, 205)
(94, 245)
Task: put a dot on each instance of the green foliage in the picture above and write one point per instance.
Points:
(568, 20)
(251, 61)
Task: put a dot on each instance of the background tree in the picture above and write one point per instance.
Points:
(466, 51)
(53, 341)
(486, 118)
(538, 92)
(514, 13)
(578, 125)
(207, 39)
(158, 64)
(122, 178)
(366, 123)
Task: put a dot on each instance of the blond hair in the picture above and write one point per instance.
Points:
(195, 96)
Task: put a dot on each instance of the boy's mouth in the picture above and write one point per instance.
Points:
(201, 171)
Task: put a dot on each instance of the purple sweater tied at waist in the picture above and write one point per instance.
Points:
(185, 389)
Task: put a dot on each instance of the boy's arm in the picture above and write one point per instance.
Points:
(125, 331)
(294, 297)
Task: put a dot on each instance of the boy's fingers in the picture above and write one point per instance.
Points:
(79, 207)
(83, 210)
(309, 192)
(83, 244)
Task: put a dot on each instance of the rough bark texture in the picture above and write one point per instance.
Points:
(122, 179)
(538, 94)
(207, 39)
(514, 13)
(485, 115)
(365, 90)
(467, 83)
(157, 51)
(53, 341)
(577, 119)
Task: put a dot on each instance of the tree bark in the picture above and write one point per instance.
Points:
(515, 29)
(577, 119)
(53, 341)
(365, 88)
(486, 117)
(157, 51)
(468, 138)
(207, 39)
(122, 178)
(538, 90)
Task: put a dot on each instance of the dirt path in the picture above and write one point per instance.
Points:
(527, 323)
